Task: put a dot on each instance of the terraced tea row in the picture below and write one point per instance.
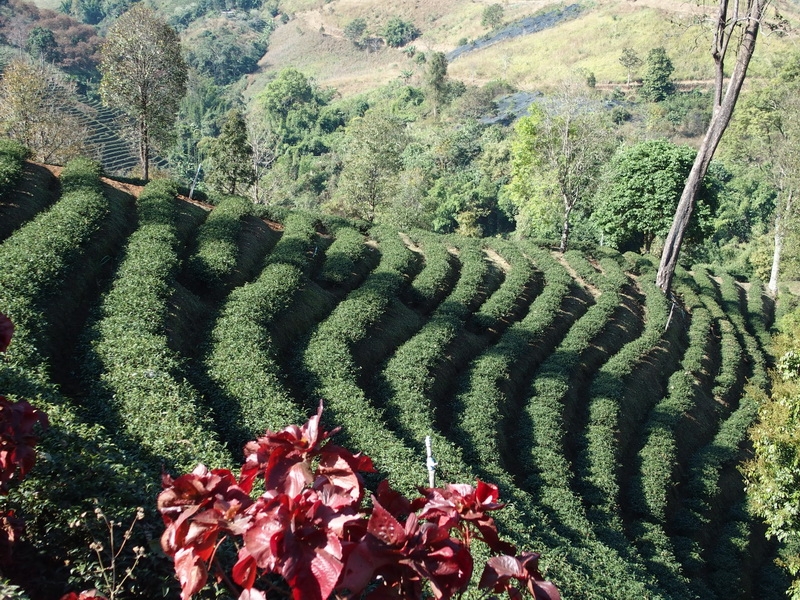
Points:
(611, 419)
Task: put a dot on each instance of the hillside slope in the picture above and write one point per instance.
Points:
(313, 41)
(168, 333)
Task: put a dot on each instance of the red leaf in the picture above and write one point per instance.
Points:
(83, 595)
(191, 572)
(6, 332)
(384, 526)
(250, 594)
(17, 439)
(245, 570)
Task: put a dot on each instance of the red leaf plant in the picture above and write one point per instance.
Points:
(515, 575)
(17, 456)
(309, 526)
(6, 331)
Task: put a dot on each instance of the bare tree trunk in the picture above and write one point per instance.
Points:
(723, 110)
(565, 229)
(144, 148)
(772, 286)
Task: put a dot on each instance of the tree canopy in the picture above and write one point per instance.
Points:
(640, 190)
(144, 76)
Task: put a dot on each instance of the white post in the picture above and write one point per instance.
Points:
(430, 463)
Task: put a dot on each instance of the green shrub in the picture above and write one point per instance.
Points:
(217, 249)
(137, 379)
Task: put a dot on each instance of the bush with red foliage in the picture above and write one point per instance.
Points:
(310, 528)
(17, 457)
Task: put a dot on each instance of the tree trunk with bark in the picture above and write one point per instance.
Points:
(772, 286)
(728, 20)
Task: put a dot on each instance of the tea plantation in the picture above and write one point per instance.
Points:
(158, 333)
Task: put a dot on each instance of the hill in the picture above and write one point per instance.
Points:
(590, 40)
(158, 333)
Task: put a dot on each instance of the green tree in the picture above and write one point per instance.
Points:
(42, 44)
(144, 76)
(436, 79)
(291, 103)
(768, 136)
(36, 110)
(355, 30)
(398, 32)
(557, 156)
(640, 190)
(492, 16)
(230, 156)
(372, 161)
(630, 60)
(657, 82)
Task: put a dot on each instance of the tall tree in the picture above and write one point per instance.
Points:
(230, 156)
(768, 135)
(738, 22)
(35, 110)
(372, 161)
(640, 190)
(556, 160)
(657, 81)
(144, 76)
(630, 60)
(436, 79)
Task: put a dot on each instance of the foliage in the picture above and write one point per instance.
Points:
(557, 155)
(144, 76)
(492, 16)
(772, 476)
(398, 32)
(12, 155)
(355, 30)
(636, 201)
(657, 84)
(17, 457)
(308, 526)
(227, 53)
(36, 110)
(42, 44)
(230, 156)
(373, 147)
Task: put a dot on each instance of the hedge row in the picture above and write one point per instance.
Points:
(733, 307)
(217, 247)
(543, 428)
(12, 160)
(410, 374)
(331, 373)
(298, 242)
(77, 460)
(479, 407)
(508, 297)
(433, 281)
(36, 258)
(344, 254)
(613, 412)
(138, 379)
(656, 459)
(249, 393)
(481, 403)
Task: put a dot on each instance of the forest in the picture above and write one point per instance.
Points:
(423, 255)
